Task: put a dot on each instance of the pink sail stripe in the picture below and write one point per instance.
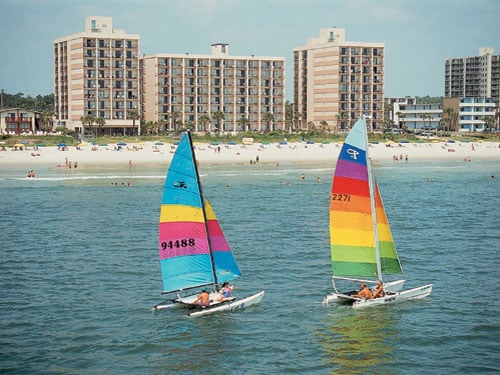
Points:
(181, 229)
(219, 243)
(214, 228)
(176, 248)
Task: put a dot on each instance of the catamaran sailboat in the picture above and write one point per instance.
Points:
(362, 247)
(193, 250)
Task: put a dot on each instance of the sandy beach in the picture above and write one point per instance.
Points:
(149, 153)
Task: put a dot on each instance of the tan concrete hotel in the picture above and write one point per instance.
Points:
(186, 89)
(99, 73)
(336, 81)
(96, 73)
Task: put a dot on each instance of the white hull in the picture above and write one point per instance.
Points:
(230, 306)
(391, 286)
(415, 293)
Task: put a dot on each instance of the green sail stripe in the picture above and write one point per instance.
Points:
(346, 253)
(354, 269)
(389, 260)
(390, 266)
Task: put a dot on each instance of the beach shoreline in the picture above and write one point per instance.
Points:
(207, 154)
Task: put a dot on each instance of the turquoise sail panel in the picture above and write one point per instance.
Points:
(183, 246)
(181, 185)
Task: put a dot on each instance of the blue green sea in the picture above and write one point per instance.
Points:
(79, 273)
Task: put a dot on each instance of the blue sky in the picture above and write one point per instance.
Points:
(418, 34)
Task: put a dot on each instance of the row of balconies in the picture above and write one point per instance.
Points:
(216, 64)
(204, 111)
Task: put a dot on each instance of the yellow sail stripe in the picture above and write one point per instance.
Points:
(351, 237)
(173, 212)
(384, 232)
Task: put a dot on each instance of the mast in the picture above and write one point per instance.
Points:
(373, 208)
(212, 262)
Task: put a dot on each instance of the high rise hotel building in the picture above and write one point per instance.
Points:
(99, 73)
(335, 82)
(96, 74)
(473, 76)
(189, 88)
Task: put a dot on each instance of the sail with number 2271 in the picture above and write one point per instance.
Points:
(361, 242)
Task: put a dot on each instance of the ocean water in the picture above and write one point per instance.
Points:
(79, 273)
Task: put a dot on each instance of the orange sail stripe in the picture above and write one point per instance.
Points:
(351, 220)
(350, 203)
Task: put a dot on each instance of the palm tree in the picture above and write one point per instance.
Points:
(218, 116)
(100, 122)
(133, 115)
(204, 121)
(324, 126)
(244, 122)
(497, 117)
(47, 118)
(298, 117)
(269, 118)
(489, 121)
(174, 115)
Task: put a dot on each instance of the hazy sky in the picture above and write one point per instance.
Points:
(418, 34)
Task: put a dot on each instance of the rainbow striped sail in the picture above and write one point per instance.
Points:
(192, 248)
(360, 236)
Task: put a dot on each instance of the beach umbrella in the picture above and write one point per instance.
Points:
(19, 145)
(121, 144)
(24, 142)
(82, 144)
(283, 143)
(61, 145)
(41, 145)
(158, 144)
(103, 144)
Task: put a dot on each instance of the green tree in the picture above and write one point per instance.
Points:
(134, 115)
(204, 121)
(47, 120)
(269, 118)
(100, 122)
(218, 116)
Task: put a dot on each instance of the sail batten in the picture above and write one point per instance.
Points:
(192, 248)
(360, 237)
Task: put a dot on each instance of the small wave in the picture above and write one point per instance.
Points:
(82, 178)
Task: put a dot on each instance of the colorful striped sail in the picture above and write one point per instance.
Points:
(185, 249)
(226, 267)
(353, 236)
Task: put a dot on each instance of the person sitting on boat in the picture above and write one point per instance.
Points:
(225, 291)
(364, 292)
(203, 299)
(379, 290)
